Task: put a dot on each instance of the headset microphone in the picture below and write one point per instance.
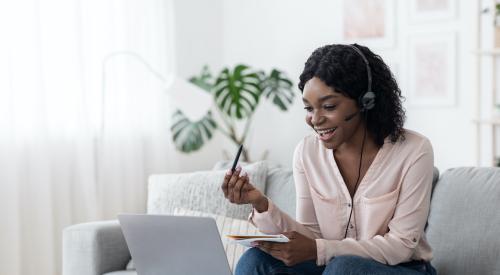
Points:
(349, 117)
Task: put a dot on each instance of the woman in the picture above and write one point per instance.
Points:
(363, 182)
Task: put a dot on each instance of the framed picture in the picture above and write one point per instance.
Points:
(368, 22)
(432, 69)
(429, 10)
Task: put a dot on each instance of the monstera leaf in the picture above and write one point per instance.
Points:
(278, 89)
(204, 80)
(190, 136)
(237, 92)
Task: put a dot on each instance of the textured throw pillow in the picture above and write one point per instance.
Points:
(226, 226)
(200, 191)
(280, 187)
(226, 164)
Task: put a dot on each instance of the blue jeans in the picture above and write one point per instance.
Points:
(254, 261)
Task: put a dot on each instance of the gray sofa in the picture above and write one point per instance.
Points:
(463, 227)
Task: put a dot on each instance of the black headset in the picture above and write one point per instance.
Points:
(367, 102)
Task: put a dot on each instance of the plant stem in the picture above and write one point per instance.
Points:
(224, 119)
(231, 133)
(224, 132)
(244, 152)
(247, 127)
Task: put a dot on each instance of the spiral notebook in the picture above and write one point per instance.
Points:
(246, 240)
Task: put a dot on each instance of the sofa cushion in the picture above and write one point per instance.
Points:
(464, 222)
(280, 187)
(435, 178)
(200, 191)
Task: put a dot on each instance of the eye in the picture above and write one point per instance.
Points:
(330, 107)
(308, 109)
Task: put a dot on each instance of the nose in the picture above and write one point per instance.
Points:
(316, 118)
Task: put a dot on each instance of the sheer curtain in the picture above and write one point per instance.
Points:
(84, 115)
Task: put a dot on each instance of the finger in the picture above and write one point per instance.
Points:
(275, 253)
(234, 177)
(291, 234)
(225, 182)
(232, 182)
(271, 246)
(238, 187)
(248, 186)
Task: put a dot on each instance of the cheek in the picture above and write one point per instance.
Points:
(308, 119)
(335, 118)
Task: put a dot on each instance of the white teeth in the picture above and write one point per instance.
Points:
(326, 131)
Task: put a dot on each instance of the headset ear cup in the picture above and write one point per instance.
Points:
(368, 101)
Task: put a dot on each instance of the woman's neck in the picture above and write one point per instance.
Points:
(354, 144)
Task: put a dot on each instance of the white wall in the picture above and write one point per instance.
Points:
(198, 42)
(451, 129)
(282, 34)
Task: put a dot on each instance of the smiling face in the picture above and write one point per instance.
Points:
(327, 111)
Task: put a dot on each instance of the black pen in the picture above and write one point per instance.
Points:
(237, 158)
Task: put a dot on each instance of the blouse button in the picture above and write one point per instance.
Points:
(414, 240)
(349, 205)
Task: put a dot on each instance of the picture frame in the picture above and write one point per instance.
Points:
(362, 22)
(432, 69)
(432, 10)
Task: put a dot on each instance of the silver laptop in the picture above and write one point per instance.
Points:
(174, 245)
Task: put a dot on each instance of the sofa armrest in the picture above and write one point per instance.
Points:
(94, 248)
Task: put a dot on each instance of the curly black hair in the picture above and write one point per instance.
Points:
(344, 70)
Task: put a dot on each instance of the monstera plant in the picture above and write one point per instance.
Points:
(236, 94)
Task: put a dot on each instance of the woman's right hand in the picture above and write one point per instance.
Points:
(238, 189)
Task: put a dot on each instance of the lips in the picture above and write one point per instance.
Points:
(326, 133)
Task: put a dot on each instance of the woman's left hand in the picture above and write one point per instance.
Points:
(299, 249)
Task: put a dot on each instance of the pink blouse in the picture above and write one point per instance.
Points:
(391, 204)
